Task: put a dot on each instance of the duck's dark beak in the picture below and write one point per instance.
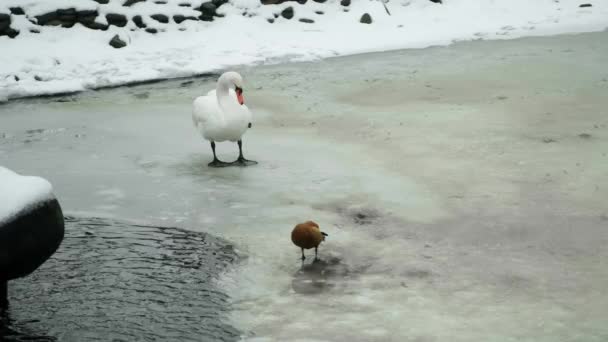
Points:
(239, 95)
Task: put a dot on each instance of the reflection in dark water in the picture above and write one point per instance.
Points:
(111, 281)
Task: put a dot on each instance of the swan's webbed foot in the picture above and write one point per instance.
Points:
(218, 163)
(244, 162)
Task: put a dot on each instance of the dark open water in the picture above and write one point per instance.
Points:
(113, 281)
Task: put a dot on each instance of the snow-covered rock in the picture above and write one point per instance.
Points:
(31, 225)
(21, 194)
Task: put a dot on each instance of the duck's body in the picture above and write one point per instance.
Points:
(221, 115)
(307, 235)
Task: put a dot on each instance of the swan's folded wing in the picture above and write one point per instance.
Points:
(204, 108)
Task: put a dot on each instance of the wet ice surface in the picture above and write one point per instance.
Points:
(463, 188)
(113, 281)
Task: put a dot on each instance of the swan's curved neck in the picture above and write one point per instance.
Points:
(223, 96)
(222, 89)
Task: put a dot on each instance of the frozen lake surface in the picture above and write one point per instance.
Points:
(463, 188)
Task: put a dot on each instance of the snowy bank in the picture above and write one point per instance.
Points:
(176, 38)
(20, 194)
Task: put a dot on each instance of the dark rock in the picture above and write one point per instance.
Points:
(96, 26)
(276, 2)
(178, 18)
(308, 21)
(130, 3)
(87, 13)
(161, 18)
(50, 18)
(160, 2)
(366, 19)
(34, 30)
(151, 30)
(37, 78)
(319, 12)
(270, 20)
(103, 2)
(3, 296)
(345, 2)
(208, 8)
(139, 21)
(66, 14)
(28, 240)
(116, 19)
(184, 5)
(585, 5)
(117, 43)
(67, 17)
(11, 33)
(87, 16)
(320, 1)
(437, 1)
(17, 11)
(287, 13)
(5, 22)
(219, 3)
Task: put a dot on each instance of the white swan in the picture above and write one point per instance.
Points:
(222, 115)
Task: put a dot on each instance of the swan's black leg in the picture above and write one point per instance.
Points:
(242, 161)
(216, 162)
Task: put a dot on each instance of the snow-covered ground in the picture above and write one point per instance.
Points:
(21, 193)
(72, 59)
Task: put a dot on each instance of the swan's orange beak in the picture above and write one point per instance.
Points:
(239, 95)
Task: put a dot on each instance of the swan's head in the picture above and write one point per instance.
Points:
(233, 79)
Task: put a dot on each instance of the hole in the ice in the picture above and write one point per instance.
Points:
(34, 131)
(418, 273)
(142, 96)
(548, 140)
(585, 136)
(364, 216)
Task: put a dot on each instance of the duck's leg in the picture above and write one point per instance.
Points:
(242, 161)
(316, 254)
(216, 162)
(303, 257)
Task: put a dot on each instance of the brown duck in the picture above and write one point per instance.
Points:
(307, 235)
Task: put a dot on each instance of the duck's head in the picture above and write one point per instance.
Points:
(233, 79)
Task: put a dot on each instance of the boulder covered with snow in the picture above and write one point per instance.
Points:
(31, 225)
